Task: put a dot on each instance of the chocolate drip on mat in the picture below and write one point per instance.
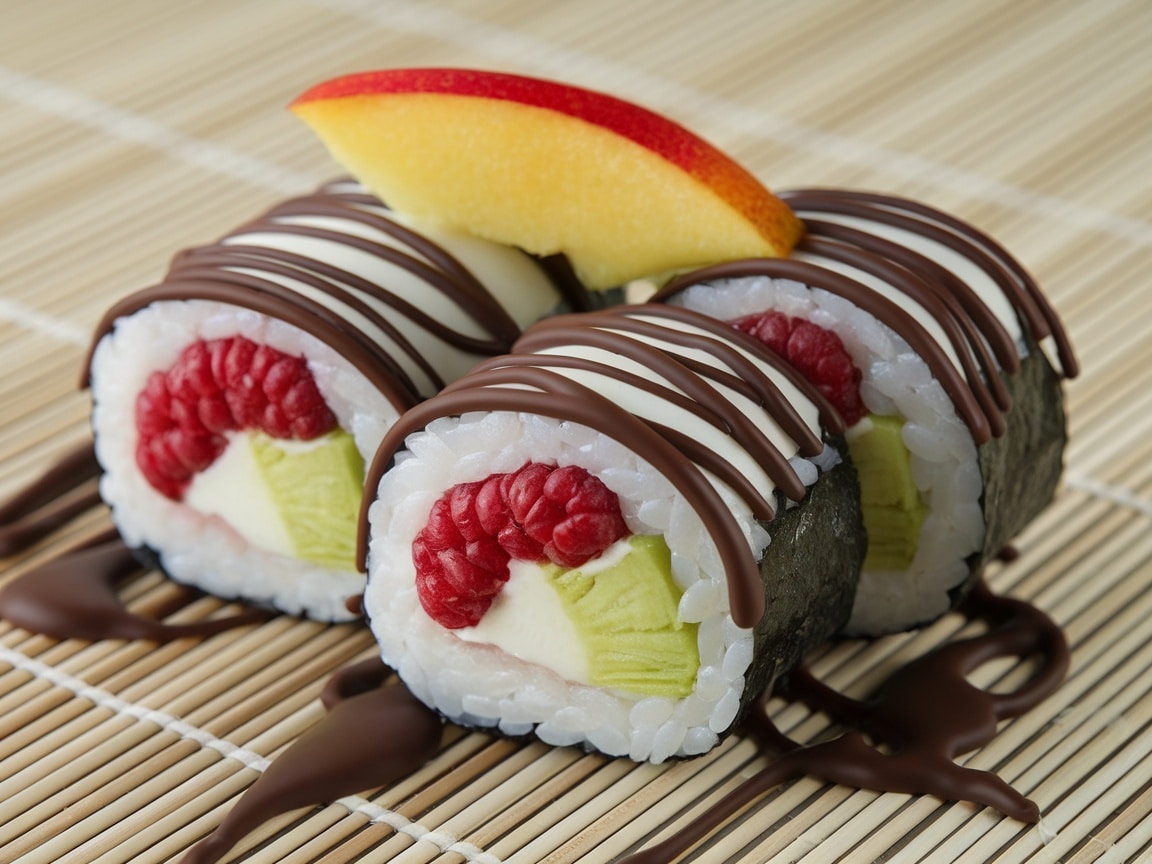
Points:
(927, 713)
(371, 736)
(50, 501)
(73, 596)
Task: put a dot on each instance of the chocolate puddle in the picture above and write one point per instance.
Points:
(74, 596)
(371, 736)
(924, 715)
(927, 713)
(50, 501)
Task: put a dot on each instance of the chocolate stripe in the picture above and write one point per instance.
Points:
(270, 299)
(706, 400)
(225, 263)
(880, 307)
(980, 372)
(1018, 285)
(193, 272)
(699, 403)
(553, 395)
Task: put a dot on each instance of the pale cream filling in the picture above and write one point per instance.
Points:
(233, 489)
(807, 410)
(527, 620)
(644, 405)
(656, 409)
(955, 262)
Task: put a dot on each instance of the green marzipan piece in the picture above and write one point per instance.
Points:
(627, 619)
(317, 492)
(893, 508)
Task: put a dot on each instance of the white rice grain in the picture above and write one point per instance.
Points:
(895, 381)
(204, 551)
(562, 712)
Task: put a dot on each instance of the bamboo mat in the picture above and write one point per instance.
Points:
(133, 129)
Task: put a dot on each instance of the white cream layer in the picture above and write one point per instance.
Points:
(516, 282)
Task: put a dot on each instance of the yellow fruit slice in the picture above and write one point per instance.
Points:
(548, 167)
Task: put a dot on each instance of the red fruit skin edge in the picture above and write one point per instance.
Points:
(672, 142)
(651, 130)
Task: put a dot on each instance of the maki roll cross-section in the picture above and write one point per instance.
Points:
(945, 359)
(616, 536)
(235, 402)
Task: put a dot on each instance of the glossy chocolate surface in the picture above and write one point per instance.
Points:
(923, 716)
(534, 383)
(74, 596)
(370, 737)
(978, 339)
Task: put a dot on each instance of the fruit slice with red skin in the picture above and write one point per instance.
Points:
(219, 386)
(538, 513)
(625, 193)
(816, 353)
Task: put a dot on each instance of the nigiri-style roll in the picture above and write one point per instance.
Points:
(617, 536)
(235, 403)
(934, 344)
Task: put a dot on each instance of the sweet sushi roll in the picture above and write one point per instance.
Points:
(945, 361)
(235, 402)
(615, 536)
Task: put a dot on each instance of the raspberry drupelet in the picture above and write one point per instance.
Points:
(538, 513)
(219, 386)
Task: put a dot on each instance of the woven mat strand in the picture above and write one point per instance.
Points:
(132, 130)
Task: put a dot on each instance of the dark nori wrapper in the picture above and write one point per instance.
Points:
(1021, 469)
(810, 574)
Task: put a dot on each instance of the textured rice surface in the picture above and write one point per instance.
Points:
(944, 459)
(482, 686)
(204, 551)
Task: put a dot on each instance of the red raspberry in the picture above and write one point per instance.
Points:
(537, 513)
(215, 387)
(817, 354)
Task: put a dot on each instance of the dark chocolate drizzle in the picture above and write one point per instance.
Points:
(1036, 313)
(50, 501)
(981, 343)
(934, 293)
(371, 736)
(73, 596)
(244, 275)
(744, 376)
(531, 384)
(927, 713)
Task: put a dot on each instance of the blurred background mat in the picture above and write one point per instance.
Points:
(131, 130)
